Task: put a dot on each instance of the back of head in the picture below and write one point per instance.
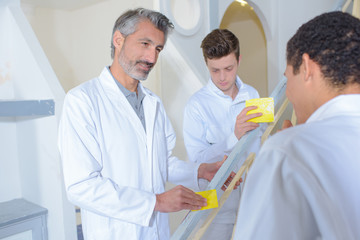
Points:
(128, 22)
(220, 43)
(332, 40)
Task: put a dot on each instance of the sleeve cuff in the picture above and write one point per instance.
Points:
(198, 181)
(231, 141)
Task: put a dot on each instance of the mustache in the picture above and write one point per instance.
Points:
(149, 64)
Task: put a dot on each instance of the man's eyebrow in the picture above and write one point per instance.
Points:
(145, 39)
(151, 41)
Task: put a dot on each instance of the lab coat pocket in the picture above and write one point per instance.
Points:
(214, 134)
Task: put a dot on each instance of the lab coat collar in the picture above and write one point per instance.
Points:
(343, 104)
(150, 103)
(240, 97)
(125, 91)
(119, 100)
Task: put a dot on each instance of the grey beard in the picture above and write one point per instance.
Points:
(128, 69)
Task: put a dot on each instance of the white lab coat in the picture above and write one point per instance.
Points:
(305, 183)
(209, 121)
(112, 167)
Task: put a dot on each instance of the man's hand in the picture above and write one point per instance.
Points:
(177, 199)
(208, 170)
(286, 124)
(228, 181)
(242, 125)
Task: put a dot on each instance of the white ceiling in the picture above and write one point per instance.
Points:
(61, 4)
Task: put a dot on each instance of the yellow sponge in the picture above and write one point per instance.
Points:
(265, 106)
(211, 196)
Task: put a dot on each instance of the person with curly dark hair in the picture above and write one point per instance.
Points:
(310, 188)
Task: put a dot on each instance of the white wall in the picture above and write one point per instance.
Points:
(245, 24)
(29, 160)
(77, 42)
(280, 19)
(7, 164)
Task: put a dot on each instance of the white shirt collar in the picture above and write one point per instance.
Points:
(343, 104)
(241, 96)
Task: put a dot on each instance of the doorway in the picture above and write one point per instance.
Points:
(241, 19)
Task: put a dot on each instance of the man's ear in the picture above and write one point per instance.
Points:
(118, 40)
(311, 68)
(307, 68)
(239, 60)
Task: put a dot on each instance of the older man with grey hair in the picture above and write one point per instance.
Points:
(116, 142)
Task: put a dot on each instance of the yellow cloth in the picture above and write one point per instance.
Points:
(211, 196)
(265, 106)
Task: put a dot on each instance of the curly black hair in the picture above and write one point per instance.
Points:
(332, 40)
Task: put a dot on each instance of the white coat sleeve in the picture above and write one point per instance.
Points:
(198, 148)
(179, 171)
(82, 165)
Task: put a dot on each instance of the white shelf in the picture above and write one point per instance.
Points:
(21, 219)
(18, 108)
